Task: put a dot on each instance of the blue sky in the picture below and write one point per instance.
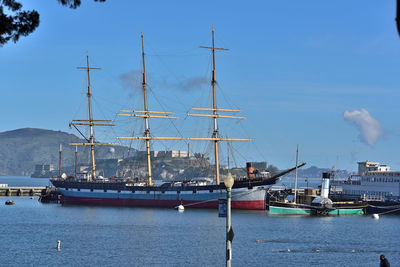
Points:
(294, 68)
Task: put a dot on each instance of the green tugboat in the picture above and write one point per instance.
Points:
(309, 203)
(282, 208)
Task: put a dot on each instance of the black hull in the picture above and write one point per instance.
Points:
(383, 207)
(123, 185)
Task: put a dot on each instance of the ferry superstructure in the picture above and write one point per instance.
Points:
(373, 181)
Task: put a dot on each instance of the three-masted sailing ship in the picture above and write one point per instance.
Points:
(247, 193)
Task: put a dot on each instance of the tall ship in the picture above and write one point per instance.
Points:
(247, 193)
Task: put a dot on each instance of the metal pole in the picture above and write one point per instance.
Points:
(59, 161)
(76, 161)
(228, 227)
(398, 16)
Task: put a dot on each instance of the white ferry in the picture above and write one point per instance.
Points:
(373, 182)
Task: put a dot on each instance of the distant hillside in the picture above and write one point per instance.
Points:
(315, 172)
(22, 149)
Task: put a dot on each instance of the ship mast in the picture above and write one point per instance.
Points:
(295, 183)
(215, 132)
(146, 114)
(215, 135)
(59, 160)
(146, 119)
(90, 122)
(91, 138)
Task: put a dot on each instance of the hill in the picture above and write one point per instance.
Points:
(315, 172)
(22, 149)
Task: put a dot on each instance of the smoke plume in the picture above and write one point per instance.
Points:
(133, 79)
(186, 84)
(191, 83)
(370, 129)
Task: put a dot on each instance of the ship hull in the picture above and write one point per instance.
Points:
(251, 205)
(299, 209)
(358, 211)
(242, 198)
(275, 210)
(246, 193)
(383, 207)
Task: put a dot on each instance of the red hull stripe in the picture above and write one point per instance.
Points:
(248, 205)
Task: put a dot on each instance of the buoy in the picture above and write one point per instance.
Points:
(181, 208)
(58, 245)
(353, 250)
(375, 216)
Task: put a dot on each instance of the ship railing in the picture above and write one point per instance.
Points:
(348, 181)
(372, 198)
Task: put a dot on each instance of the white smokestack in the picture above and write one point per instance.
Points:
(325, 185)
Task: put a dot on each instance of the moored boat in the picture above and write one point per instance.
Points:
(282, 208)
(375, 184)
(309, 203)
(247, 193)
(372, 182)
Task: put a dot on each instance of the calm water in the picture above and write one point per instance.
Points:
(102, 236)
(24, 181)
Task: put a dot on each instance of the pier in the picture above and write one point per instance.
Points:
(22, 190)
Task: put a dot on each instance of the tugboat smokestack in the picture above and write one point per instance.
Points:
(325, 184)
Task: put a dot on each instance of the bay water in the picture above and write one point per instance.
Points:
(110, 236)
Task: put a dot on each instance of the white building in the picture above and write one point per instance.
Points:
(169, 153)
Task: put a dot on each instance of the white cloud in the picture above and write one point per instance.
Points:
(370, 129)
